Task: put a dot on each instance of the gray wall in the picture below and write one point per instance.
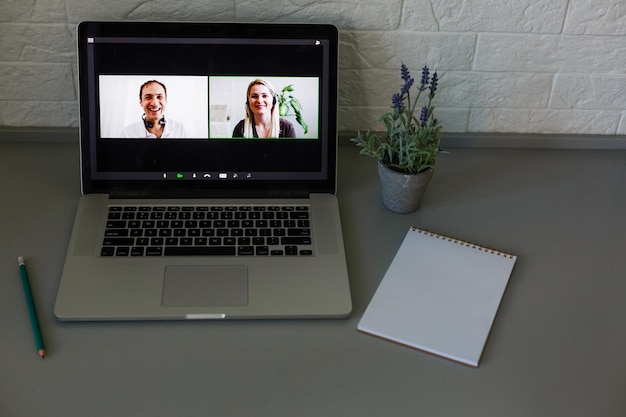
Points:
(518, 66)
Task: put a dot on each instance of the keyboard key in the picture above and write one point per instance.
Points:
(122, 251)
(295, 240)
(154, 251)
(298, 232)
(291, 250)
(137, 251)
(299, 215)
(107, 251)
(245, 250)
(118, 241)
(116, 232)
(116, 224)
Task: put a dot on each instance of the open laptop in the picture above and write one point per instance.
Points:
(196, 219)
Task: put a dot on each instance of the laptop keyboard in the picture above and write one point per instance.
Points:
(191, 230)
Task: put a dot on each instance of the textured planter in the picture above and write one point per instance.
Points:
(402, 193)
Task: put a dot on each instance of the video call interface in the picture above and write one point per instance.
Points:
(195, 91)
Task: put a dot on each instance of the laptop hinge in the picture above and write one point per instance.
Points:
(273, 193)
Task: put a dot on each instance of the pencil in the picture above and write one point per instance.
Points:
(32, 311)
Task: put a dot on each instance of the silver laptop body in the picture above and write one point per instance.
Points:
(206, 171)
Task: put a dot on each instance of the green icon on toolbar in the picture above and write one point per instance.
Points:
(179, 175)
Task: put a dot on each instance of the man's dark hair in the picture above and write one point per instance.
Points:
(150, 82)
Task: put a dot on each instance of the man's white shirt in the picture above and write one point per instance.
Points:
(172, 130)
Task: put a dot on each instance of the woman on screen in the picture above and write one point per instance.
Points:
(262, 116)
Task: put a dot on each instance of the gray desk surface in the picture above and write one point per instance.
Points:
(557, 347)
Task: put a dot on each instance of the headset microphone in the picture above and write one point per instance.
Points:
(149, 124)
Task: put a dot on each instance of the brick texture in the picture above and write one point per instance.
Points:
(524, 66)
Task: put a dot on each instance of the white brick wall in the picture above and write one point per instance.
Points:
(523, 66)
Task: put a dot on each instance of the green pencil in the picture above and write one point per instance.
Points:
(32, 311)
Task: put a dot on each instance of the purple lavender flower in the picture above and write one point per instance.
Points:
(407, 86)
(398, 102)
(433, 83)
(408, 80)
(425, 73)
(405, 72)
(424, 116)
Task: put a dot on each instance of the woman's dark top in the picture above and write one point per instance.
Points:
(286, 130)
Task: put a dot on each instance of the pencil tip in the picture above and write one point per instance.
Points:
(42, 353)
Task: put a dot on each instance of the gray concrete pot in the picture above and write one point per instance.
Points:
(402, 193)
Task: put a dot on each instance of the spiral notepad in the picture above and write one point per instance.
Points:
(439, 295)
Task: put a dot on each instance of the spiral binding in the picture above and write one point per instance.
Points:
(462, 242)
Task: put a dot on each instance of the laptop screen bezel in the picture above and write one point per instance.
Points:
(325, 182)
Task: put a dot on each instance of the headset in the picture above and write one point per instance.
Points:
(149, 124)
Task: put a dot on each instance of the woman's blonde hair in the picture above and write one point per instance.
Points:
(248, 125)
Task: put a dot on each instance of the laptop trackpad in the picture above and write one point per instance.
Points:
(203, 286)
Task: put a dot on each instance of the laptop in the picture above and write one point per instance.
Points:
(208, 157)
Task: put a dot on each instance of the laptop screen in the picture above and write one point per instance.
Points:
(207, 109)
